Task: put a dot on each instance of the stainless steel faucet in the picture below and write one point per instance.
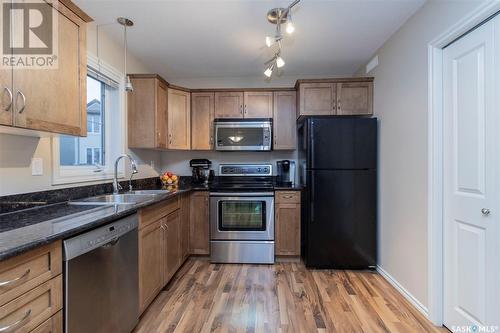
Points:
(133, 165)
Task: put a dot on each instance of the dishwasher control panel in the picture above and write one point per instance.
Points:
(102, 236)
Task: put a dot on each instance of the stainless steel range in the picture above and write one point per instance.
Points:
(242, 214)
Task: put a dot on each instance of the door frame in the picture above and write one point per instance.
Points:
(435, 195)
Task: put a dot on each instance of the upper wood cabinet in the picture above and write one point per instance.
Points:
(229, 104)
(355, 98)
(317, 99)
(51, 100)
(179, 119)
(258, 104)
(284, 120)
(202, 120)
(147, 112)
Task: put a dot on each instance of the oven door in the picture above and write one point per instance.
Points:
(242, 216)
(243, 135)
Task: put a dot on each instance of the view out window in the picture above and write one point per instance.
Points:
(90, 150)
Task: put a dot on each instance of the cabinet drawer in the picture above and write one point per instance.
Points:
(28, 270)
(287, 197)
(31, 309)
(52, 325)
(155, 212)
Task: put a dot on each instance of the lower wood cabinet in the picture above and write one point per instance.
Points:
(199, 239)
(287, 223)
(150, 263)
(51, 325)
(163, 245)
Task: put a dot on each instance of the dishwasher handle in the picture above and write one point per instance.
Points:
(112, 243)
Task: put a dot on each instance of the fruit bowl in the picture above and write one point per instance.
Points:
(169, 179)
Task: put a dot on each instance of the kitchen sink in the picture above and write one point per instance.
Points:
(115, 199)
(149, 192)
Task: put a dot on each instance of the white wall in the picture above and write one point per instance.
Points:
(400, 102)
(178, 161)
(16, 151)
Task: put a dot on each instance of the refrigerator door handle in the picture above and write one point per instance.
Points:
(312, 197)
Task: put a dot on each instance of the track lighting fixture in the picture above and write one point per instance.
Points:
(278, 16)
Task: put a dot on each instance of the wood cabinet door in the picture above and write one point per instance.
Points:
(150, 263)
(179, 119)
(185, 205)
(161, 114)
(355, 98)
(258, 104)
(317, 99)
(202, 121)
(6, 97)
(229, 104)
(54, 100)
(284, 120)
(141, 118)
(172, 245)
(287, 229)
(199, 240)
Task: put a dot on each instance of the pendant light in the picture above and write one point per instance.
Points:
(125, 22)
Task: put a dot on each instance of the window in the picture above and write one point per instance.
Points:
(73, 150)
(78, 159)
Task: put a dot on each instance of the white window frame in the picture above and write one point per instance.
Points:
(85, 173)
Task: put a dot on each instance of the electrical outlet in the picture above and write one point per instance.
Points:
(37, 166)
(152, 164)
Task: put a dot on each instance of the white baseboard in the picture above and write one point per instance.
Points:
(415, 302)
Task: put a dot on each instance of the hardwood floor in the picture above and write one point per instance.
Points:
(285, 297)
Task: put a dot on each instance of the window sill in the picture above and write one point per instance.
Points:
(101, 177)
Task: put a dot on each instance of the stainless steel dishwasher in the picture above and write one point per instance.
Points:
(101, 279)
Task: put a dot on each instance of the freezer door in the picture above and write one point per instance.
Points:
(341, 230)
(342, 143)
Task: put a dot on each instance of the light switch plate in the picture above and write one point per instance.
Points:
(37, 166)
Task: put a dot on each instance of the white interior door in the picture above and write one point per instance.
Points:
(471, 179)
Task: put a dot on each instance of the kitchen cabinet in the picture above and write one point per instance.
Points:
(284, 120)
(150, 262)
(229, 104)
(32, 282)
(317, 99)
(202, 120)
(354, 98)
(287, 223)
(179, 119)
(342, 97)
(51, 100)
(258, 104)
(171, 245)
(147, 112)
(199, 240)
(185, 212)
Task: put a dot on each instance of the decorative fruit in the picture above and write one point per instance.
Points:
(169, 174)
(169, 178)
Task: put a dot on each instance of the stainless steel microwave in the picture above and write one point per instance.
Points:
(243, 134)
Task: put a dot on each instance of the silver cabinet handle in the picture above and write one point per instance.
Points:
(287, 196)
(16, 280)
(11, 98)
(485, 211)
(13, 326)
(20, 93)
(162, 227)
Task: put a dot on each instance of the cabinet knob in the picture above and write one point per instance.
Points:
(485, 211)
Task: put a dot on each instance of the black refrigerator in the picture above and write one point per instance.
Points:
(338, 172)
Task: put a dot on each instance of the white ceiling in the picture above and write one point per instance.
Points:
(215, 38)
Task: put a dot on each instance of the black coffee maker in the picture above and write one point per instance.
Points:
(202, 173)
(285, 173)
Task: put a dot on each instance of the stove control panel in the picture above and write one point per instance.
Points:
(245, 170)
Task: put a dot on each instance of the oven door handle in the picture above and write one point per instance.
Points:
(242, 194)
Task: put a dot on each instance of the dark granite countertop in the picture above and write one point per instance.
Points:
(25, 229)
